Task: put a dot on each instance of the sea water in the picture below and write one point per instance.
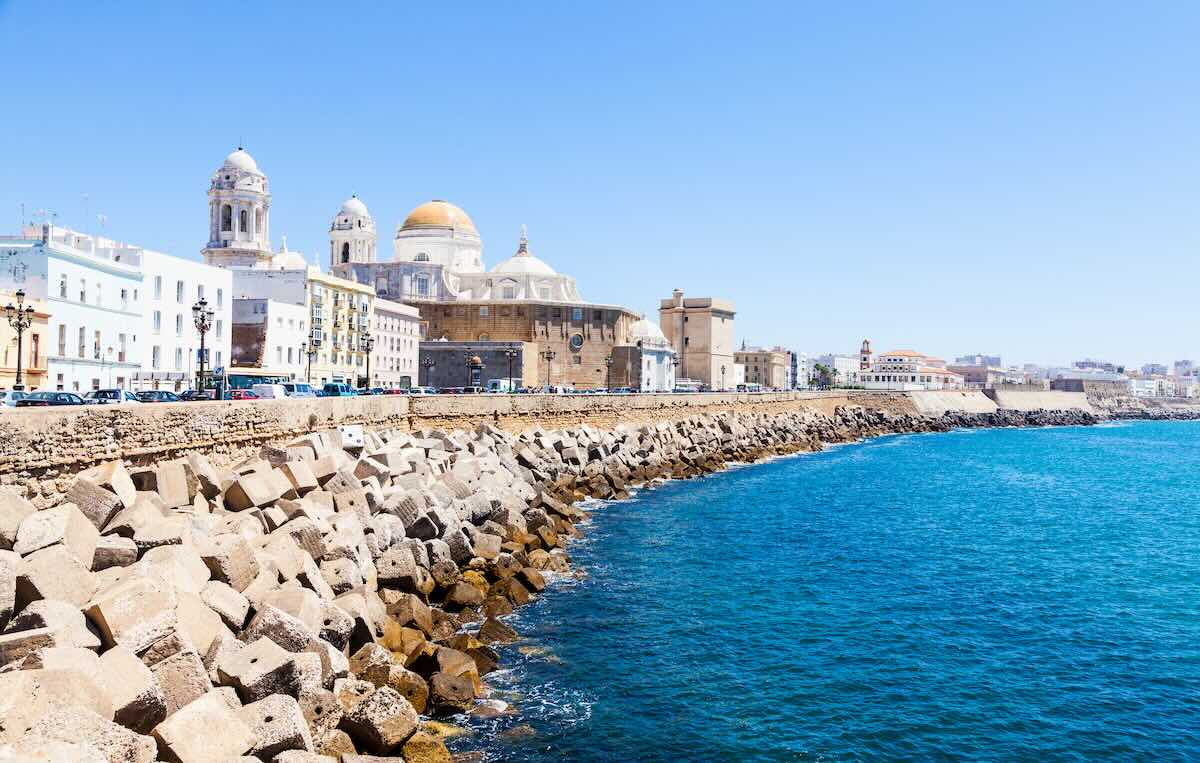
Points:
(1009, 594)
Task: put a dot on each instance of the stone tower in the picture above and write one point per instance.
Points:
(864, 356)
(351, 234)
(239, 214)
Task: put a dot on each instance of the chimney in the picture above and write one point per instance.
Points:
(678, 296)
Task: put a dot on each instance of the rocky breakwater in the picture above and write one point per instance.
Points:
(326, 599)
(1152, 409)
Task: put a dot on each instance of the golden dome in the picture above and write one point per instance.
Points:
(438, 214)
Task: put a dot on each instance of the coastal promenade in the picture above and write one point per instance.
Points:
(41, 449)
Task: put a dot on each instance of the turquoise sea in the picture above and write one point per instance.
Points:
(1013, 594)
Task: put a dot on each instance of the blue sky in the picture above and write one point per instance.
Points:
(1014, 178)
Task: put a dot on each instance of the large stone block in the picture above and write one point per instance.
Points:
(134, 613)
(278, 726)
(60, 617)
(29, 695)
(231, 560)
(229, 604)
(137, 699)
(260, 669)
(64, 525)
(13, 510)
(205, 731)
(114, 551)
(79, 725)
(174, 487)
(10, 564)
(251, 490)
(287, 631)
(55, 572)
(381, 722)
(182, 678)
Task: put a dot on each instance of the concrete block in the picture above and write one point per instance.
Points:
(382, 721)
(182, 678)
(173, 485)
(407, 683)
(55, 573)
(112, 477)
(13, 509)
(63, 524)
(114, 551)
(397, 569)
(228, 603)
(251, 490)
(278, 726)
(285, 630)
(231, 560)
(96, 503)
(20, 645)
(197, 622)
(79, 725)
(138, 701)
(172, 530)
(145, 509)
(10, 564)
(29, 695)
(301, 477)
(204, 731)
(61, 617)
(133, 613)
(342, 575)
(260, 669)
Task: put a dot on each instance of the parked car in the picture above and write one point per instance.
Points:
(193, 395)
(40, 399)
(375, 391)
(623, 391)
(299, 389)
(240, 394)
(422, 391)
(395, 391)
(269, 391)
(9, 397)
(158, 396)
(112, 396)
(336, 390)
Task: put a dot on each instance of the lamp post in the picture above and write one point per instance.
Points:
(467, 363)
(202, 315)
(20, 317)
(310, 349)
(511, 354)
(549, 355)
(608, 361)
(428, 364)
(722, 378)
(368, 342)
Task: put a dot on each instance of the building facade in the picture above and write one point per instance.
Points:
(396, 330)
(270, 335)
(909, 370)
(700, 330)
(473, 364)
(647, 364)
(768, 368)
(171, 286)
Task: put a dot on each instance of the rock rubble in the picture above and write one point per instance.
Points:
(320, 601)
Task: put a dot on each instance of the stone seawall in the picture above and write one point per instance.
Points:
(333, 595)
(40, 449)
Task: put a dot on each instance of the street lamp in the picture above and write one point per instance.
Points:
(202, 314)
(310, 349)
(511, 354)
(722, 378)
(608, 361)
(20, 317)
(428, 364)
(549, 355)
(368, 342)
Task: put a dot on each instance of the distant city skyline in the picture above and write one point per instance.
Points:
(950, 179)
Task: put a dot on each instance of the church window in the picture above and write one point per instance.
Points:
(346, 251)
(243, 221)
(422, 286)
(598, 315)
(226, 217)
(510, 292)
(576, 313)
(483, 311)
(422, 257)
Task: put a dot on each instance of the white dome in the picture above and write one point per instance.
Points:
(644, 329)
(354, 206)
(241, 160)
(524, 264)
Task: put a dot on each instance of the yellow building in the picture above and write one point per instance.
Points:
(33, 347)
(341, 313)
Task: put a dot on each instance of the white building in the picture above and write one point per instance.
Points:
(351, 234)
(171, 356)
(396, 330)
(440, 233)
(908, 370)
(655, 356)
(272, 335)
(846, 368)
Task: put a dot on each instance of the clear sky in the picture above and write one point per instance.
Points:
(1013, 178)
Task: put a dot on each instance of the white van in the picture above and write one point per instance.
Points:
(269, 391)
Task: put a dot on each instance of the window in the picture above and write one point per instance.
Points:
(96, 346)
(510, 292)
(218, 329)
(226, 217)
(121, 348)
(178, 358)
(62, 340)
(290, 357)
(346, 252)
(258, 220)
(58, 382)
(157, 321)
(82, 342)
(199, 292)
(35, 349)
(178, 324)
(179, 292)
(62, 287)
(218, 358)
(422, 286)
(422, 257)
(83, 290)
(278, 355)
(243, 221)
(483, 311)
(220, 297)
(158, 287)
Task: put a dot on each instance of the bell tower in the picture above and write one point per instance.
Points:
(239, 208)
(351, 235)
(864, 356)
